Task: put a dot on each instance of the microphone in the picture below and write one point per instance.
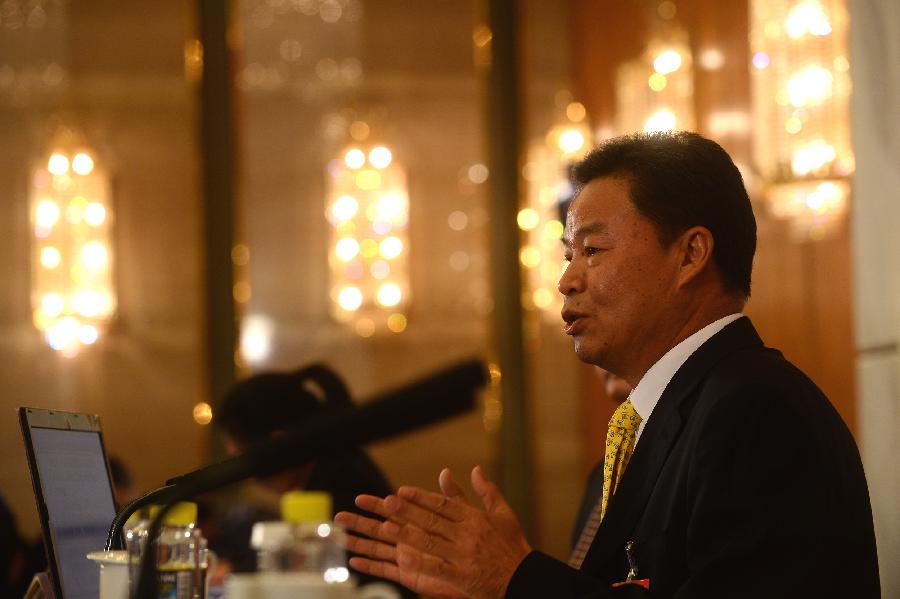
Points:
(430, 400)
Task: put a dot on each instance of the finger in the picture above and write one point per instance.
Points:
(369, 548)
(387, 570)
(487, 490)
(375, 505)
(449, 487)
(418, 517)
(422, 565)
(451, 508)
(367, 526)
(423, 541)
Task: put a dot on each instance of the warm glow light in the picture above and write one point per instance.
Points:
(391, 247)
(812, 157)
(389, 295)
(82, 163)
(667, 62)
(50, 257)
(380, 157)
(58, 164)
(390, 207)
(530, 256)
(90, 304)
(397, 323)
(345, 208)
(75, 210)
(807, 17)
(355, 158)
(71, 279)
(346, 249)
(542, 298)
(202, 413)
(576, 112)
(350, 298)
(663, 120)
(94, 255)
(46, 214)
(810, 85)
(380, 269)
(256, 338)
(94, 214)
(657, 82)
(88, 334)
(571, 140)
(64, 334)
(368, 248)
(52, 304)
(528, 219)
(368, 179)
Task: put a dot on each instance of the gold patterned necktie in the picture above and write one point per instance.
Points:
(620, 440)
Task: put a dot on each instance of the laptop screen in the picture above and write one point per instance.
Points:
(76, 490)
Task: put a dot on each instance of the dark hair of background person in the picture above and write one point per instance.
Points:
(680, 180)
(264, 403)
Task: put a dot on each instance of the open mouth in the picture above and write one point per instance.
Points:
(574, 322)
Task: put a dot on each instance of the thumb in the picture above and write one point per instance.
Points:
(449, 487)
(487, 490)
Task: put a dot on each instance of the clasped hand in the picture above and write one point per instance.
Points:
(438, 544)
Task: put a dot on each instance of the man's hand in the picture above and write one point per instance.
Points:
(438, 544)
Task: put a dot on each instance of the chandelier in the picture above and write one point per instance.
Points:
(72, 293)
(801, 95)
(368, 210)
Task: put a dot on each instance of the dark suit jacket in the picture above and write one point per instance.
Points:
(745, 483)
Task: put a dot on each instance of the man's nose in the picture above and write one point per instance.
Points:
(571, 280)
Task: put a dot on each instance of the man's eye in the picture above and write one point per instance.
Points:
(590, 251)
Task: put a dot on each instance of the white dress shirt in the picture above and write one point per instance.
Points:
(650, 388)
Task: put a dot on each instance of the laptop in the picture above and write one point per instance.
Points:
(74, 494)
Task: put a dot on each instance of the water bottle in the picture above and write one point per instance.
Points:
(318, 541)
(181, 553)
(301, 556)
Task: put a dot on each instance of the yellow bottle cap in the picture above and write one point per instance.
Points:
(181, 514)
(305, 506)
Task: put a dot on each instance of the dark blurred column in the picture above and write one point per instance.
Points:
(217, 176)
(503, 153)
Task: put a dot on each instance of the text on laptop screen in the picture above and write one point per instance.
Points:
(79, 502)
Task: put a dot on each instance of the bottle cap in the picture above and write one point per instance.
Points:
(305, 506)
(182, 513)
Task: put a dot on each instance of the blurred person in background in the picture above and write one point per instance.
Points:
(268, 405)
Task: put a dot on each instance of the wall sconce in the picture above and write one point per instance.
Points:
(549, 188)
(72, 292)
(368, 208)
(801, 95)
(656, 92)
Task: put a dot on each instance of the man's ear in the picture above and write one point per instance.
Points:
(696, 253)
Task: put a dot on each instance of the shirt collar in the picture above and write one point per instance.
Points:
(650, 388)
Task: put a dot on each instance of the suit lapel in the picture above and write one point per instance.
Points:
(659, 435)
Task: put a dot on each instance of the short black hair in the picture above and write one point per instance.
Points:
(680, 180)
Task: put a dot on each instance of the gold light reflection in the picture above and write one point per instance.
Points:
(655, 92)
(202, 413)
(801, 118)
(73, 297)
(548, 185)
(368, 209)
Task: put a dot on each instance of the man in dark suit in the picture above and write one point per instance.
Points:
(729, 473)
